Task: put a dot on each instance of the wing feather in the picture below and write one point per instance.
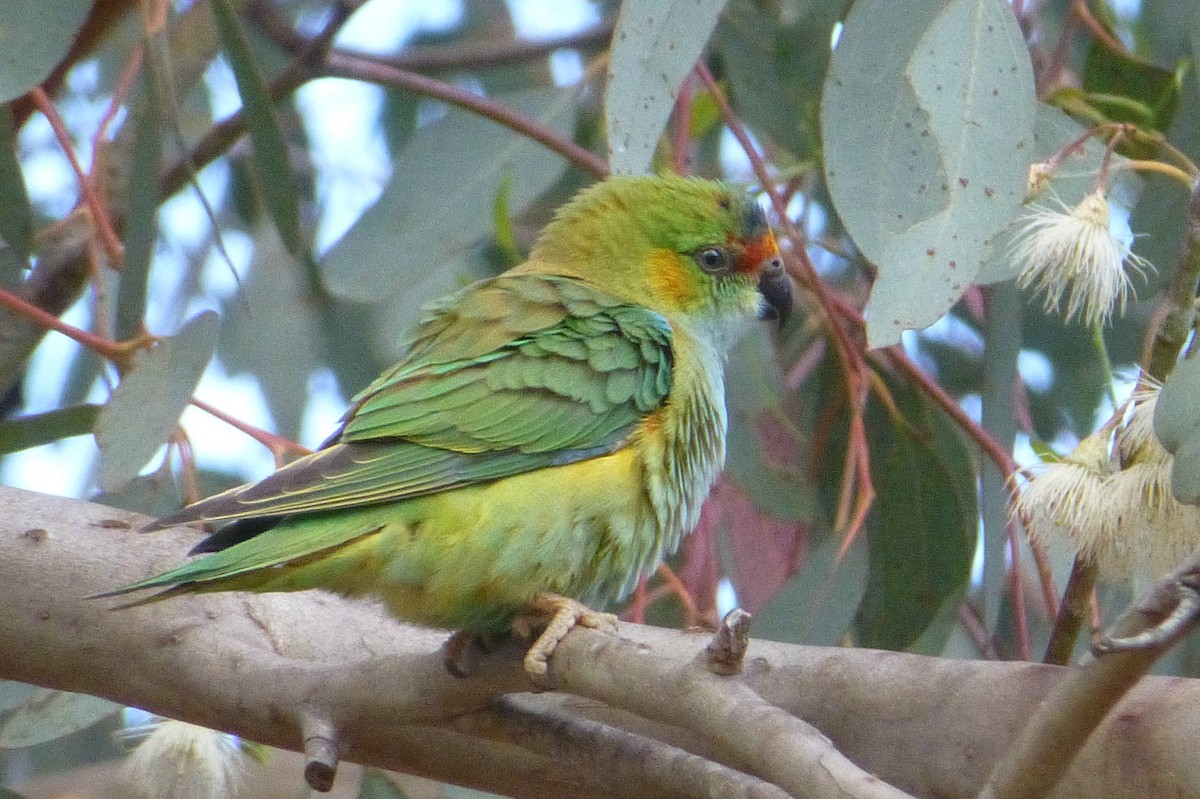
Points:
(517, 373)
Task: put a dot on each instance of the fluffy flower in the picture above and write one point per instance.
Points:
(182, 761)
(1125, 520)
(1072, 253)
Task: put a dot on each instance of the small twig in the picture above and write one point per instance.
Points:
(278, 445)
(440, 58)
(320, 751)
(104, 228)
(1179, 298)
(727, 649)
(668, 575)
(341, 65)
(1074, 609)
(1060, 727)
(1084, 14)
(114, 351)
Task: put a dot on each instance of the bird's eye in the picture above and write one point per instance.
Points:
(713, 260)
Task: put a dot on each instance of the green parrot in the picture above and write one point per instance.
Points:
(548, 438)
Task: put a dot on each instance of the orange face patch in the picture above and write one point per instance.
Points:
(757, 251)
(669, 278)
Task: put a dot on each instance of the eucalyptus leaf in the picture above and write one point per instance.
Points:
(819, 603)
(47, 715)
(655, 45)
(1177, 425)
(927, 127)
(923, 526)
(438, 203)
(36, 429)
(271, 161)
(141, 228)
(34, 37)
(16, 222)
(146, 405)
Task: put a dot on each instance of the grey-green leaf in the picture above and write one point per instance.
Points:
(23, 432)
(927, 125)
(818, 604)
(47, 715)
(147, 404)
(270, 147)
(655, 45)
(435, 209)
(34, 36)
(1177, 425)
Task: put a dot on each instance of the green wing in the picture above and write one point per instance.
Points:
(512, 374)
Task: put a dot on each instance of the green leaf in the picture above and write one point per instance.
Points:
(270, 147)
(923, 526)
(819, 603)
(47, 715)
(36, 429)
(16, 223)
(34, 37)
(655, 46)
(927, 125)
(774, 64)
(1130, 89)
(434, 209)
(141, 229)
(764, 451)
(146, 406)
(375, 784)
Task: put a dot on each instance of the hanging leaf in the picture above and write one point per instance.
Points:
(927, 125)
(655, 45)
(435, 208)
(146, 405)
(819, 603)
(141, 229)
(34, 37)
(16, 223)
(46, 715)
(922, 529)
(271, 161)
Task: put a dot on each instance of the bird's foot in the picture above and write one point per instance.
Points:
(564, 613)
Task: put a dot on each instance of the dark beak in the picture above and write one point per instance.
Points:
(776, 288)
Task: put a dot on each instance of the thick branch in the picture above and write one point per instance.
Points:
(260, 666)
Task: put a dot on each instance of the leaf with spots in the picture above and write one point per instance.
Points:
(927, 125)
(655, 45)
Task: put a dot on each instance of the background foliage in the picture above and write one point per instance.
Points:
(274, 187)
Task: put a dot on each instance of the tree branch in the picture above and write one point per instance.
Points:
(263, 666)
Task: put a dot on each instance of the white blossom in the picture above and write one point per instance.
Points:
(1072, 253)
(183, 761)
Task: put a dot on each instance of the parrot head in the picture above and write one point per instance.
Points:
(697, 251)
